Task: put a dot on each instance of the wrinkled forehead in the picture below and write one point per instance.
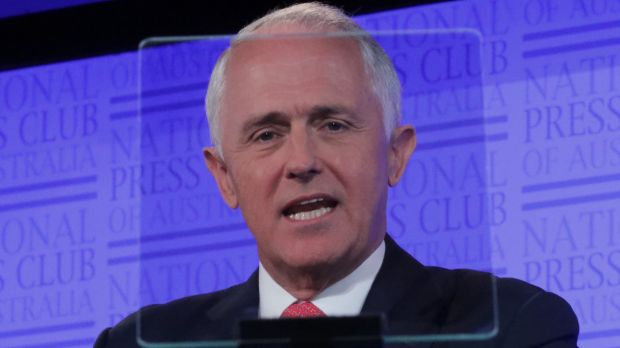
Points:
(272, 60)
(295, 51)
(283, 71)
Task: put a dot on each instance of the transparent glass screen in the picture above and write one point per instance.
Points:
(302, 117)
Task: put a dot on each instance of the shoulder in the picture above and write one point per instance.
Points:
(166, 322)
(457, 301)
(535, 314)
(527, 314)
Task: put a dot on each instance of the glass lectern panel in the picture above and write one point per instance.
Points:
(309, 131)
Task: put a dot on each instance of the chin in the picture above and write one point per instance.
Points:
(312, 258)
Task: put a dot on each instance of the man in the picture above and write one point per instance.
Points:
(306, 141)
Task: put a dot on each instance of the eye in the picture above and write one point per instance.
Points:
(265, 136)
(334, 126)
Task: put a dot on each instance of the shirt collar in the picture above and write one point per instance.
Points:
(343, 298)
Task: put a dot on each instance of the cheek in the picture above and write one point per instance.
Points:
(260, 173)
(374, 175)
(254, 182)
(363, 165)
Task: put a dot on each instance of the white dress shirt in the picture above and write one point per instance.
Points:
(343, 298)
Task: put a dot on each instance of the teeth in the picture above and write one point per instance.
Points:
(307, 215)
(311, 201)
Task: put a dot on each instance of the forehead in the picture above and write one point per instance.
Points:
(294, 49)
(292, 40)
(294, 65)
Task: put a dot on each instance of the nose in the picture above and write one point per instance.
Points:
(302, 163)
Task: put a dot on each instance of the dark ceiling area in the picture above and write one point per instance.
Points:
(118, 26)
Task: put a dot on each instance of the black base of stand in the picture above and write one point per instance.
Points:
(336, 332)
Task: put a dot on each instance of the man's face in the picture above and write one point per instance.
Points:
(304, 152)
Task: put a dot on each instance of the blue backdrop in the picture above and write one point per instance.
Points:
(74, 181)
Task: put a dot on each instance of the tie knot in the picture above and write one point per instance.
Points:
(302, 309)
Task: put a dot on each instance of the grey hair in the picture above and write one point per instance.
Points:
(316, 16)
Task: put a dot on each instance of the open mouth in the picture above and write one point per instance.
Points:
(309, 208)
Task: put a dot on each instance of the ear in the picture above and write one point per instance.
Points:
(220, 172)
(402, 144)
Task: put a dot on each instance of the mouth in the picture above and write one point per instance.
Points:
(309, 208)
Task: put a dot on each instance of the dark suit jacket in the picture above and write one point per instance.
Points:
(413, 299)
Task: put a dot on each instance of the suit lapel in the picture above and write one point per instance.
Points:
(243, 304)
(221, 320)
(406, 294)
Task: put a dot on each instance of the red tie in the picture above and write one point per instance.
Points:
(302, 309)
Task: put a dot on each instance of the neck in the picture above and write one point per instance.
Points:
(305, 283)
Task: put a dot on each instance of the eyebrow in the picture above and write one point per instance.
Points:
(277, 118)
(321, 112)
(271, 118)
